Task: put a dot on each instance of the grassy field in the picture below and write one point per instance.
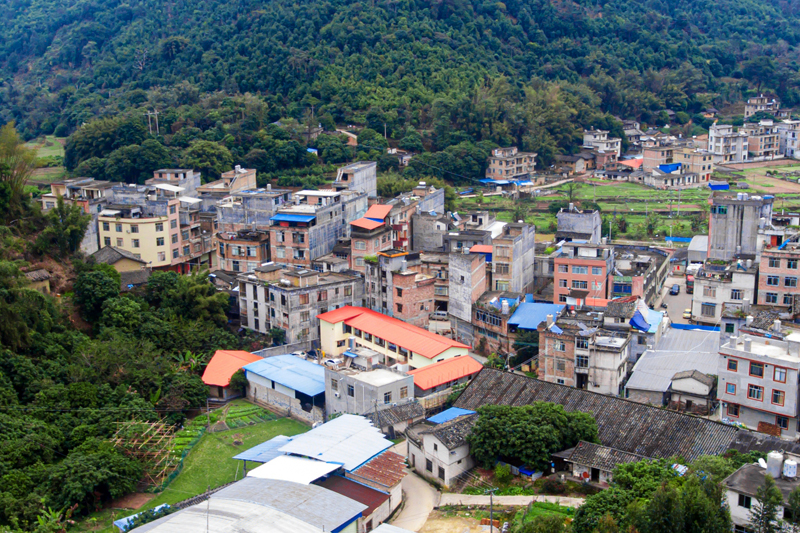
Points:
(209, 464)
(48, 146)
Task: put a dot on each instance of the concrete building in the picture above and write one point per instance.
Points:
(508, 164)
(91, 195)
(760, 103)
(187, 179)
(762, 140)
(788, 141)
(428, 231)
(251, 209)
(600, 141)
(577, 225)
(396, 285)
(423, 198)
(657, 153)
(583, 268)
(369, 235)
(361, 176)
(467, 282)
(512, 258)
(639, 271)
(719, 283)
(289, 299)
(758, 380)
(458, 241)
(133, 271)
(439, 451)
(288, 384)
(360, 391)
(777, 277)
(242, 251)
(596, 463)
(490, 316)
(672, 177)
(698, 249)
(695, 161)
(442, 376)
(311, 226)
(232, 181)
(741, 489)
(400, 343)
(734, 224)
(726, 145)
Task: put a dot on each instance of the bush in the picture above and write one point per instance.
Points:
(553, 486)
(502, 473)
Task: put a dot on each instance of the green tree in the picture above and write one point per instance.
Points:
(759, 70)
(412, 141)
(764, 513)
(239, 383)
(208, 157)
(124, 314)
(92, 289)
(526, 345)
(16, 166)
(67, 224)
(663, 513)
(548, 523)
(792, 511)
(612, 503)
(195, 297)
(159, 286)
(643, 478)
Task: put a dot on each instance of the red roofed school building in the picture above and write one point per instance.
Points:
(443, 375)
(400, 343)
(222, 367)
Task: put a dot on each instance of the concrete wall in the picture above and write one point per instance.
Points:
(467, 283)
(427, 233)
(260, 391)
(578, 471)
(645, 396)
(577, 222)
(453, 464)
(366, 397)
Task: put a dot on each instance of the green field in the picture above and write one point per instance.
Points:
(47, 146)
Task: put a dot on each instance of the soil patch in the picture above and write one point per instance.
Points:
(439, 523)
(132, 501)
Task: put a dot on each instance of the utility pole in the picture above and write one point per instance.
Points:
(149, 122)
(491, 508)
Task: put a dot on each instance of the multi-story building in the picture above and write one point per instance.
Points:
(242, 251)
(600, 141)
(458, 241)
(695, 161)
(400, 343)
(757, 104)
(428, 231)
(672, 177)
(437, 265)
(251, 209)
(512, 258)
(370, 235)
(742, 488)
(361, 176)
(290, 299)
(91, 195)
(422, 199)
(788, 141)
(777, 277)
(312, 224)
(359, 391)
(657, 153)
(583, 268)
(639, 271)
(726, 145)
(238, 179)
(577, 225)
(490, 316)
(734, 224)
(185, 178)
(396, 286)
(720, 283)
(508, 164)
(762, 140)
(758, 379)
(468, 281)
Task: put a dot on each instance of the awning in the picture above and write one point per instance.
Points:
(292, 218)
(350, 354)
(189, 199)
(166, 187)
(638, 321)
(114, 212)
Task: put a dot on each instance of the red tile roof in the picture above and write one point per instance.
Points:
(378, 211)
(224, 364)
(395, 331)
(386, 470)
(631, 163)
(366, 223)
(355, 491)
(481, 248)
(445, 371)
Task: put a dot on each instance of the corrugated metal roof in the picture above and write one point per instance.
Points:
(292, 372)
(445, 371)
(481, 248)
(264, 452)
(529, 315)
(292, 218)
(386, 470)
(676, 351)
(224, 364)
(378, 212)
(348, 440)
(366, 223)
(371, 498)
(448, 415)
(295, 469)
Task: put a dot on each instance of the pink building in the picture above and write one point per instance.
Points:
(582, 271)
(778, 274)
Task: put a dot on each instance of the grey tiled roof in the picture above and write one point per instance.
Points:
(454, 432)
(695, 374)
(110, 255)
(396, 414)
(134, 277)
(622, 307)
(602, 457)
(622, 424)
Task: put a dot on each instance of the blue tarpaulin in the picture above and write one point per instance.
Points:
(448, 415)
(292, 218)
(124, 523)
(670, 168)
(638, 321)
(530, 315)
(718, 186)
(487, 181)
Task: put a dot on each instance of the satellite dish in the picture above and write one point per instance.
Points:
(762, 463)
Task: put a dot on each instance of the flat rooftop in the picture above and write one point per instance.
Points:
(378, 377)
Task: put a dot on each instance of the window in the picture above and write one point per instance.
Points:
(791, 263)
(351, 391)
(162, 256)
(303, 299)
(106, 226)
(754, 392)
(730, 328)
(642, 340)
(107, 241)
(582, 361)
(120, 242)
(789, 282)
(435, 447)
(135, 243)
(368, 336)
(582, 344)
(159, 226)
(172, 210)
(730, 388)
(387, 397)
(773, 281)
(736, 294)
(720, 210)
(134, 228)
(597, 271)
(323, 296)
(173, 223)
(745, 501)
(176, 253)
(771, 297)
(576, 284)
(348, 291)
(403, 392)
(560, 381)
(359, 245)
(399, 292)
(441, 473)
(563, 269)
(280, 253)
(710, 292)
(580, 270)
(428, 465)
(779, 375)
(782, 422)
(708, 310)
(118, 227)
(778, 397)
(501, 268)
(159, 241)
(787, 299)
(560, 346)
(175, 239)
(335, 385)
(186, 250)
(757, 370)
(378, 341)
(562, 283)
(774, 262)
(561, 365)
(733, 410)
(305, 316)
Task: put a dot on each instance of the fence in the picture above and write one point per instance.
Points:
(186, 449)
(287, 348)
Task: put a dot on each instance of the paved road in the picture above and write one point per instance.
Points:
(470, 499)
(419, 499)
(676, 304)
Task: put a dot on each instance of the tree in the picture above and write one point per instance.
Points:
(611, 502)
(208, 157)
(412, 141)
(571, 189)
(67, 224)
(643, 478)
(664, 512)
(526, 345)
(124, 314)
(196, 298)
(92, 289)
(792, 516)
(239, 383)
(549, 523)
(764, 513)
(759, 70)
(159, 285)
(16, 166)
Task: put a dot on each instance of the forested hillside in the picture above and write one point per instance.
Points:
(65, 63)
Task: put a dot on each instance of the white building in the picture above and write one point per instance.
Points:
(438, 448)
(717, 285)
(727, 145)
(789, 144)
(599, 140)
(741, 487)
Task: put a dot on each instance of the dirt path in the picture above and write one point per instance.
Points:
(419, 500)
(521, 501)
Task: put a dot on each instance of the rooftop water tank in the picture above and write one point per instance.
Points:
(774, 464)
(790, 469)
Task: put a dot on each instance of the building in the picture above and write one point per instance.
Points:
(428, 231)
(458, 241)
(393, 420)
(396, 286)
(232, 181)
(695, 162)
(468, 281)
(595, 463)
(698, 249)
(631, 315)
(437, 265)
(639, 271)
(762, 140)
(658, 153)
(439, 451)
(671, 177)
(512, 258)
(361, 176)
(761, 104)
(359, 391)
(288, 384)
(378, 504)
(384, 473)
(311, 226)
(90, 194)
(133, 271)
(576, 164)
(758, 380)
(250, 209)
(789, 144)
(719, 283)
(577, 225)
(242, 251)
(274, 297)
(39, 280)
(726, 145)
(582, 270)
(734, 224)
(222, 366)
(421, 199)
(399, 342)
(369, 235)
(777, 276)
(508, 164)
(442, 376)
(600, 141)
(490, 316)
(741, 488)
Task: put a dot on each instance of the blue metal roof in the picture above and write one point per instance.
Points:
(124, 523)
(448, 415)
(292, 372)
(529, 315)
(718, 186)
(486, 181)
(264, 452)
(670, 168)
(292, 218)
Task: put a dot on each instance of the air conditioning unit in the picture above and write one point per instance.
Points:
(336, 394)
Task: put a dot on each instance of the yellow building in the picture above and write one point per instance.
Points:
(154, 240)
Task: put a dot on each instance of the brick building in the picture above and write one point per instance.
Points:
(242, 251)
(396, 285)
(582, 267)
(777, 276)
(509, 163)
(369, 235)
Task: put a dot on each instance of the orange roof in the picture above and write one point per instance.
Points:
(481, 248)
(392, 330)
(224, 364)
(378, 211)
(366, 223)
(631, 163)
(596, 302)
(445, 371)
